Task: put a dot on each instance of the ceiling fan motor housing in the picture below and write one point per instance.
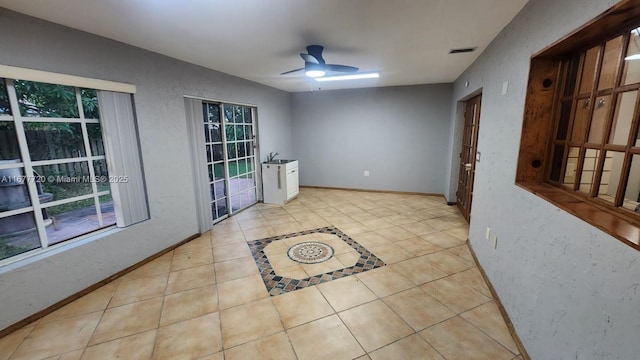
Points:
(316, 52)
(315, 66)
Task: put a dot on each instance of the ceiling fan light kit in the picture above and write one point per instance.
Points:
(313, 70)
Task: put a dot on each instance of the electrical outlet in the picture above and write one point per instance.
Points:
(366, 173)
(495, 241)
(488, 233)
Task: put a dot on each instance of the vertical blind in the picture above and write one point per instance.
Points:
(126, 174)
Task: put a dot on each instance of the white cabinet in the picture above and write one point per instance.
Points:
(279, 181)
(292, 183)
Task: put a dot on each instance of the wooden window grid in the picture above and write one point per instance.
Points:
(591, 89)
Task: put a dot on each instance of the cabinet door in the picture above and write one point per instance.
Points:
(292, 183)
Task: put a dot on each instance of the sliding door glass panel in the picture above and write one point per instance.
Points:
(240, 149)
(230, 157)
(215, 161)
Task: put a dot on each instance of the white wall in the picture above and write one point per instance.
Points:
(399, 134)
(572, 291)
(29, 286)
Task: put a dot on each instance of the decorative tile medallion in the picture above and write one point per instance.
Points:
(311, 252)
(277, 284)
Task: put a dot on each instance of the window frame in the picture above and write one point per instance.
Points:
(26, 164)
(604, 146)
(545, 91)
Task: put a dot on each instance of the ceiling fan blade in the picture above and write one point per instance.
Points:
(340, 68)
(309, 58)
(291, 71)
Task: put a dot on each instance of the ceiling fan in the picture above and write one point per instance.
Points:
(314, 65)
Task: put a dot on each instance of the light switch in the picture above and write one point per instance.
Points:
(505, 87)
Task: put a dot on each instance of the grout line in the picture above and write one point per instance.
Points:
(219, 311)
(284, 330)
(23, 340)
(487, 335)
(93, 333)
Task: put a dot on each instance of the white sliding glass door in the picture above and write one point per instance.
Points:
(229, 138)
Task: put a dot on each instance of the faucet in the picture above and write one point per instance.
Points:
(272, 156)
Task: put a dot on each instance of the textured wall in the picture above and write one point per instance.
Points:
(399, 134)
(29, 286)
(572, 291)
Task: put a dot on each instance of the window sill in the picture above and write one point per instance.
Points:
(615, 225)
(17, 261)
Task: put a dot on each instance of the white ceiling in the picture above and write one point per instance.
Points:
(408, 41)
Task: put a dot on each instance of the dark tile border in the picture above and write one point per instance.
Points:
(277, 284)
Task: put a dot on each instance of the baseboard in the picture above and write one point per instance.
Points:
(42, 313)
(507, 320)
(369, 190)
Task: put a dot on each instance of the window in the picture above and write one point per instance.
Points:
(57, 179)
(596, 150)
(583, 101)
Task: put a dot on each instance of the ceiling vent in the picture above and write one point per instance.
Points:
(462, 50)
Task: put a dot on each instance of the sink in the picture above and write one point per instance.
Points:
(278, 161)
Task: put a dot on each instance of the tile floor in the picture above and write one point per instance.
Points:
(207, 299)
